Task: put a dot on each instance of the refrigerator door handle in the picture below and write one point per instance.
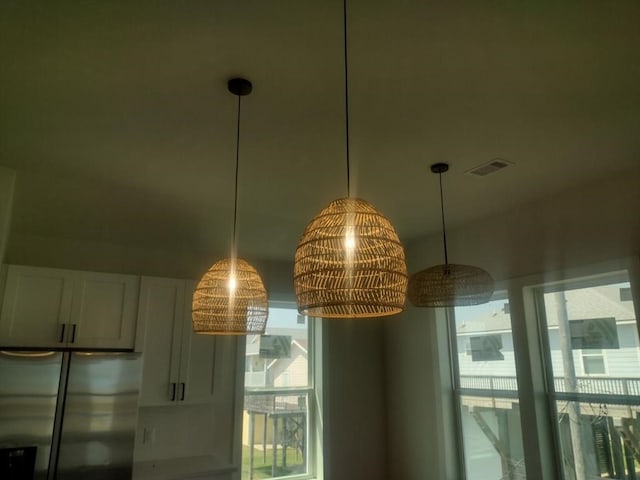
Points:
(62, 333)
(173, 391)
(182, 386)
(73, 332)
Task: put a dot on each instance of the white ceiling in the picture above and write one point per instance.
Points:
(117, 118)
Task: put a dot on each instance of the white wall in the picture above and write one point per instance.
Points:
(170, 440)
(589, 224)
(421, 428)
(355, 435)
(104, 257)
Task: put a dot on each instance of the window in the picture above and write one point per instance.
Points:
(278, 399)
(597, 411)
(546, 377)
(593, 362)
(486, 391)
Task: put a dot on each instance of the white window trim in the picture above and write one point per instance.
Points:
(537, 409)
(314, 404)
(537, 412)
(590, 353)
(458, 391)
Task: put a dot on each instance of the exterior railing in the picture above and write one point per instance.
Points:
(275, 403)
(591, 385)
(609, 386)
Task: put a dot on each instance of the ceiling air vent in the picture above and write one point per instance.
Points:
(489, 167)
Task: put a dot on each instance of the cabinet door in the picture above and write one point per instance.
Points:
(36, 307)
(197, 360)
(104, 311)
(160, 308)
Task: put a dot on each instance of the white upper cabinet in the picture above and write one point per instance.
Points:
(197, 362)
(36, 308)
(104, 310)
(179, 365)
(54, 308)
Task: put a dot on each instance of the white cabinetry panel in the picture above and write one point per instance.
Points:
(55, 308)
(105, 312)
(178, 364)
(36, 307)
(190, 416)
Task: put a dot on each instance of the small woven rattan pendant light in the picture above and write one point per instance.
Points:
(230, 298)
(449, 285)
(349, 262)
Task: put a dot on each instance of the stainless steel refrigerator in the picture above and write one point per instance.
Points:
(68, 415)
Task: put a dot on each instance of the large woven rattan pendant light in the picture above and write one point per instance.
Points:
(349, 262)
(449, 285)
(230, 299)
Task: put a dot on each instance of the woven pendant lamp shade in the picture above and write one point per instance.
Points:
(230, 298)
(350, 263)
(450, 285)
(219, 308)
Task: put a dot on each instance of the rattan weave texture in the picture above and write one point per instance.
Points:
(334, 281)
(216, 311)
(450, 285)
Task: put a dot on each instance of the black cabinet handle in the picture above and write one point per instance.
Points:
(62, 332)
(182, 386)
(73, 332)
(173, 392)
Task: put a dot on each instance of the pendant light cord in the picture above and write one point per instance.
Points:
(346, 96)
(235, 202)
(444, 230)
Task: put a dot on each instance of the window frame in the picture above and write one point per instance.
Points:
(314, 407)
(538, 412)
(626, 270)
(458, 391)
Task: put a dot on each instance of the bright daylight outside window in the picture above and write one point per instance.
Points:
(593, 356)
(278, 398)
(486, 391)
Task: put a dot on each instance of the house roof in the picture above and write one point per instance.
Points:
(117, 119)
(298, 338)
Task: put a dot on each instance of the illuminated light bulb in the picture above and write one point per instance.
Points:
(232, 284)
(350, 240)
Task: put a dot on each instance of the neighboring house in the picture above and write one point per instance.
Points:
(277, 360)
(602, 302)
(289, 370)
(595, 328)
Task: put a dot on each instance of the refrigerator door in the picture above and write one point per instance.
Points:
(100, 414)
(28, 397)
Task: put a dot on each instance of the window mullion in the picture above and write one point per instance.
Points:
(535, 411)
(455, 382)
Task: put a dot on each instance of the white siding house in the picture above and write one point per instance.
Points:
(602, 302)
